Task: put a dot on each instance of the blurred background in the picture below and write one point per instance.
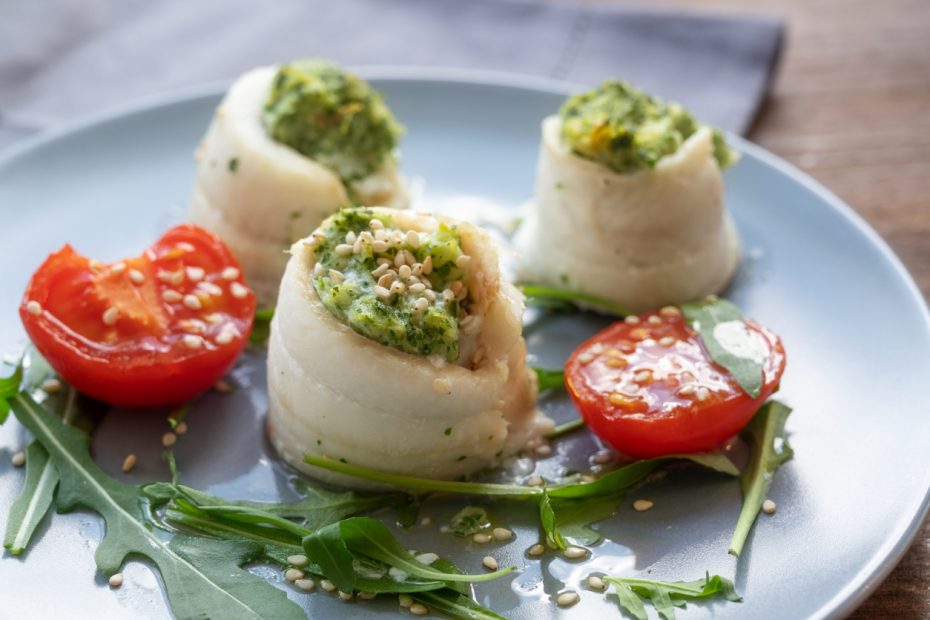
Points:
(840, 88)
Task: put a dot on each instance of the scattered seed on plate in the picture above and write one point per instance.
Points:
(345, 596)
(366, 596)
(115, 580)
(501, 534)
(536, 550)
(535, 481)
(768, 507)
(129, 462)
(327, 585)
(169, 439)
(180, 428)
(19, 459)
(596, 583)
(50, 386)
(602, 457)
(573, 553)
(642, 505)
(481, 538)
(567, 599)
(426, 521)
(297, 560)
(293, 574)
(489, 562)
(404, 600)
(544, 450)
(419, 609)
(306, 585)
(222, 386)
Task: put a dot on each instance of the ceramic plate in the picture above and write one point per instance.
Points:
(853, 323)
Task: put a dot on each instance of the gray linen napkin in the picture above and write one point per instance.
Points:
(61, 59)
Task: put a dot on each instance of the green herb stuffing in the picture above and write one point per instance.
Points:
(393, 322)
(331, 116)
(626, 129)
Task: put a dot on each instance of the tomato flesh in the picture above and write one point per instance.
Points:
(152, 330)
(648, 386)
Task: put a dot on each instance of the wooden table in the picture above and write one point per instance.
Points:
(851, 107)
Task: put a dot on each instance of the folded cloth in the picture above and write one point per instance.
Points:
(61, 59)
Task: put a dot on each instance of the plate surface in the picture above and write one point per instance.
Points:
(854, 325)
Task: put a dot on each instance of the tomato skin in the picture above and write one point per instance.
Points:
(628, 382)
(141, 358)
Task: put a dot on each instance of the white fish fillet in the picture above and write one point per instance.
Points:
(642, 239)
(337, 393)
(275, 195)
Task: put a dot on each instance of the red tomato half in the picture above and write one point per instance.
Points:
(152, 330)
(648, 387)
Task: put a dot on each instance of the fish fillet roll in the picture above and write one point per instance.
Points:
(287, 147)
(395, 345)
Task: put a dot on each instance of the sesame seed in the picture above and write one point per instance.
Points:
(379, 246)
(192, 341)
(129, 462)
(567, 599)
(462, 261)
(603, 457)
(596, 583)
(481, 538)
(426, 521)
(238, 290)
(441, 386)
(448, 296)
(327, 585)
(136, 276)
(387, 278)
(654, 320)
(398, 287)
(230, 273)
(405, 600)
(404, 271)
(187, 247)
(380, 271)
(343, 249)
(702, 393)
(586, 478)
(33, 307)
(375, 224)
(192, 302)
(536, 550)
(489, 562)
(366, 596)
(419, 609)
(19, 459)
(573, 553)
(417, 288)
(169, 439)
(110, 316)
(115, 580)
(399, 259)
(768, 507)
(413, 239)
(181, 428)
(293, 574)
(544, 450)
(421, 304)
(171, 296)
(428, 265)
(642, 505)
(118, 268)
(643, 376)
(430, 295)
(50, 386)
(345, 596)
(426, 558)
(535, 481)
(350, 237)
(307, 585)
(501, 534)
(336, 276)
(631, 320)
(670, 311)
(318, 269)
(666, 341)
(381, 292)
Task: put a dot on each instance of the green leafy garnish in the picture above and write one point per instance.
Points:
(469, 520)
(770, 450)
(547, 519)
(573, 518)
(549, 379)
(261, 325)
(565, 428)
(178, 415)
(729, 341)
(561, 299)
(186, 563)
(665, 596)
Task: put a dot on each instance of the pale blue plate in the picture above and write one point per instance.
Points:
(854, 325)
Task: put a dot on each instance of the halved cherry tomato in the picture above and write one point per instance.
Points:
(152, 330)
(648, 387)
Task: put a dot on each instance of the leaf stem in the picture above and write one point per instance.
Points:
(538, 294)
(565, 428)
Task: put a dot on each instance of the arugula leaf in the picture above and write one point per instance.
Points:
(549, 379)
(456, 605)
(547, 519)
(665, 596)
(328, 549)
(565, 428)
(9, 387)
(729, 341)
(33, 502)
(573, 517)
(201, 575)
(261, 326)
(469, 520)
(770, 450)
(556, 298)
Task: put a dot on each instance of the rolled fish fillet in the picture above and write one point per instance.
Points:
(336, 392)
(260, 195)
(642, 239)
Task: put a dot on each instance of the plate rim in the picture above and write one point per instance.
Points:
(870, 576)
